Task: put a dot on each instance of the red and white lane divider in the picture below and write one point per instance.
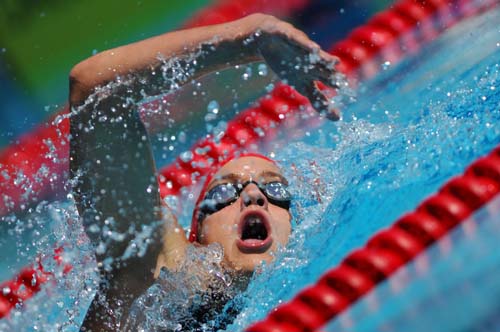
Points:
(388, 250)
(363, 47)
(47, 149)
(391, 248)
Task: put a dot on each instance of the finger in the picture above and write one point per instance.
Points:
(321, 102)
(297, 36)
(318, 100)
(324, 71)
(328, 57)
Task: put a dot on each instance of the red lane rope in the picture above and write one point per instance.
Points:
(36, 166)
(281, 108)
(388, 250)
(391, 248)
(28, 282)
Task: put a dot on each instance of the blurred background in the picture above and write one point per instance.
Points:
(40, 41)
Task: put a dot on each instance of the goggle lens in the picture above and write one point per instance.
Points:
(277, 191)
(225, 194)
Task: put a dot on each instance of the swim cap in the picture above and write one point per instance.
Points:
(193, 235)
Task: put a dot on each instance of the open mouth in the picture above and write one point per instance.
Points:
(254, 233)
(254, 228)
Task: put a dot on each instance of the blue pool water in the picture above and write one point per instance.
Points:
(411, 128)
(453, 286)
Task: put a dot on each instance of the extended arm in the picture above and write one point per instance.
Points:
(112, 167)
(144, 57)
(288, 51)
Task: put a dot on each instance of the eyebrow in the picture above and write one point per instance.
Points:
(271, 174)
(234, 177)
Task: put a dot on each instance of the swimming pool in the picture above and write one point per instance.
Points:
(452, 287)
(411, 128)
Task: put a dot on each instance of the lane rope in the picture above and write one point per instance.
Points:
(47, 148)
(358, 54)
(388, 250)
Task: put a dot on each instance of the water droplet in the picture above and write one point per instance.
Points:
(262, 69)
(314, 57)
(210, 117)
(213, 107)
(386, 65)
(247, 74)
(270, 87)
(186, 156)
(260, 132)
(182, 137)
(213, 110)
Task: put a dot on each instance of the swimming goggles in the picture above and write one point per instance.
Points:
(226, 194)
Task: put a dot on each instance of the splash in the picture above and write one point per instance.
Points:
(62, 302)
(181, 300)
(348, 180)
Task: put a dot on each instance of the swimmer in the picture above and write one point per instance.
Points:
(244, 205)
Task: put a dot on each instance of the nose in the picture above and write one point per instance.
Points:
(251, 194)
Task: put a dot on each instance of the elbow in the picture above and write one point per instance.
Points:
(80, 83)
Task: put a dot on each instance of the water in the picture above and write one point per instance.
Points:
(176, 300)
(452, 286)
(413, 127)
(62, 303)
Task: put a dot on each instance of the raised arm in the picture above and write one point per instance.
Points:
(111, 163)
(288, 51)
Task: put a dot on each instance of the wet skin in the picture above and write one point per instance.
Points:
(228, 225)
(286, 50)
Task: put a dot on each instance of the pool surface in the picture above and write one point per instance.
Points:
(411, 128)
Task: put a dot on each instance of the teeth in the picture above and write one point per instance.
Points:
(254, 220)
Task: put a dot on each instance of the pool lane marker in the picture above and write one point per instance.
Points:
(391, 248)
(388, 250)
(48, 146)
(357, 57)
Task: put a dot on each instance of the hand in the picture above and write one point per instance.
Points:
(297, 60)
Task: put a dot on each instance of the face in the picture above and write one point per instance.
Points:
(251, 228)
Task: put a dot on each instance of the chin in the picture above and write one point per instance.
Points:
(250, 262)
